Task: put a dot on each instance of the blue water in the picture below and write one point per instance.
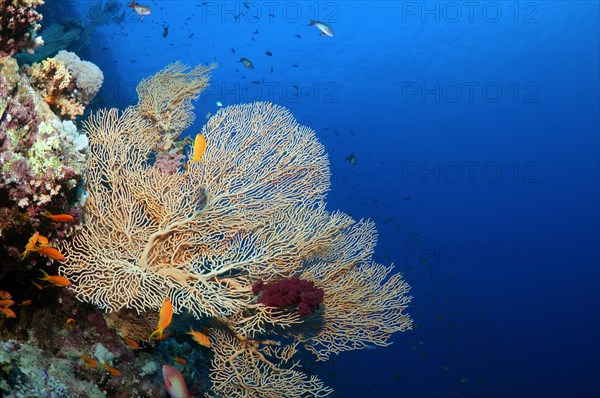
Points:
(475, 128)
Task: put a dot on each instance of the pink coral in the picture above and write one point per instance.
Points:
(18, 26)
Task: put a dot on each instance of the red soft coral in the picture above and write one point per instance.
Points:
(289, 292)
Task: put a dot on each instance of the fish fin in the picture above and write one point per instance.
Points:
(156, 332)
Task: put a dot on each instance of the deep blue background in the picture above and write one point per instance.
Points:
(476, 131)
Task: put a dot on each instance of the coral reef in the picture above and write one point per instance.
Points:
(203, 236)
(86, 76)
(18, 26)
(241, 241)
(42, 356)
(67, 83)
(42, 160)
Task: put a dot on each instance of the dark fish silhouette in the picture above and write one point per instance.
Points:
(352, 159)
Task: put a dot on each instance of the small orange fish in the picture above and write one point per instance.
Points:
(37, 285)
(8, 312)
(89, 361)
(52, 99)
(164, 320)
(25, 302)
(163, 337)
(70, 322)
(42, 241)
(5, 295)
(180, 361)
(111, 370)
(200, 338)
(199, 149)
(132, 344)
(58, 217)
(6, 303)
(51, 252)
(56, 280)
(31, 245)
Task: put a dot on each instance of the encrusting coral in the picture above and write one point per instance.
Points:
(252, 211)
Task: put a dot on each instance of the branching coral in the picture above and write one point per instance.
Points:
(244, 368)
(252, 211)
(166, 97)
(18, 26)
(187, 233)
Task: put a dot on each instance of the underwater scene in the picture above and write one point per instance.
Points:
(299, 199)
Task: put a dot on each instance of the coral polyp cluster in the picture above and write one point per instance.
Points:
(66, 83)
(290, 292)
(19, 23)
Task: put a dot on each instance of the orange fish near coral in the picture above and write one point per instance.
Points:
(25, 302)
(8, 312)
(58, 217)
(174, 382)
(111, 370)
(200, 338)
(52, 99)
(70, 322)
(89, 361)
(199, 149)
(5, 295)
(31, 245)
(165, 316)
(180, 361)
(51, 252)
(6, 303)
(56, 280)
(132, 344)
(42, 241)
